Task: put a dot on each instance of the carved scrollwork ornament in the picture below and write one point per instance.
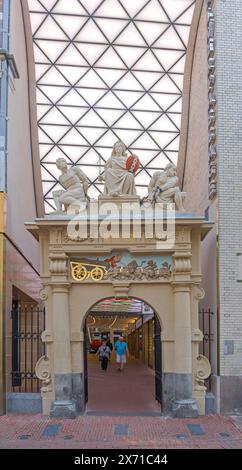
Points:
(43, 295)
(199, 293)
(43, 373)
(202, 372)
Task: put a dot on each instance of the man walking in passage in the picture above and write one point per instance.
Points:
(121, 349)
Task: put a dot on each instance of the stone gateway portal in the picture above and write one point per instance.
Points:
(77, 274)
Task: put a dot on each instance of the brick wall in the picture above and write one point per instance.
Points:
(229, 143)
(1, 21)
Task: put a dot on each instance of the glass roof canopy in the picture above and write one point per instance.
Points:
(108, 70)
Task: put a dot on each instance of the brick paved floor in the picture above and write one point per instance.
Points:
(120, 432)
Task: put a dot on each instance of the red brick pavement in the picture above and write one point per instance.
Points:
(92, 432)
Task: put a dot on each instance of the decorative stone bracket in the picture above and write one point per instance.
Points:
(182, 262)
(58, 263)
(202, 372)
(43, 373)
(47, 336)
(121, 290)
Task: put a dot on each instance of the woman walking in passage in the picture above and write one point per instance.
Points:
(104, 353)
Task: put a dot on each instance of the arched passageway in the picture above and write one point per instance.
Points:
(137, 388)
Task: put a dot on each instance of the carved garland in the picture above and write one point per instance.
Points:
(212, 150)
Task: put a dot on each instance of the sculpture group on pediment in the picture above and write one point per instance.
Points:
(119, 182)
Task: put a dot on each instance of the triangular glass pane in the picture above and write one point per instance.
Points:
(178, 79)
(52, 49)
(73, 99)
(159, 163)
(147, 79)
(72, 74)
(146, 118)
(108, 140)
(110, 116)
(92, 158)
(164, 124)
(133, 7)
(110, 101)
(92, 172)
(91, 134)
(176, 118)
(128, 82)
(130, 36)
(128, 137)
(128, 122)
(91, 52)
(73, 138)
(53, 155)
(111, 28)
(162, 138)
(168, 58)
(39, 56)
(53, 93)
(169, 40)
(128, 97)
(55, 132)
(90, 95)
(34, 5)
(40, 70)
(73, 8)
(43, 138)
(130, 55)
(48, 187)
(74, 153)
(73, 113)
(91, 119)
(46, 176)
(152, 12)
(186, 18)
(177, 107)
(72, 56)
(44, 150)
(91, 79)
(91, 5)
(180, 66)
(48, 4)
(184, 32)
(53, 77)
(54, 117)
(111, 8)
(174, 145)
(174, 8)
(151, 32)
(144, 155)
(148, 62)
(145, 142)
(50, 30)
(110, 77)
(142, 178)
(110, 59)
(93, 191)
(40, 98)
(172, 156)
(70, 24)
(104, 153)
(91, 33)
(146, 103)
(36, 20)
(165, 85)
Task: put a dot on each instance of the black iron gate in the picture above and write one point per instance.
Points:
(158, 361)
(28, 322)
(205, 324)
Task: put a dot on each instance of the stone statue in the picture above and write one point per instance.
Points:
(118, 177)
(75, 183)
(164, 188)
